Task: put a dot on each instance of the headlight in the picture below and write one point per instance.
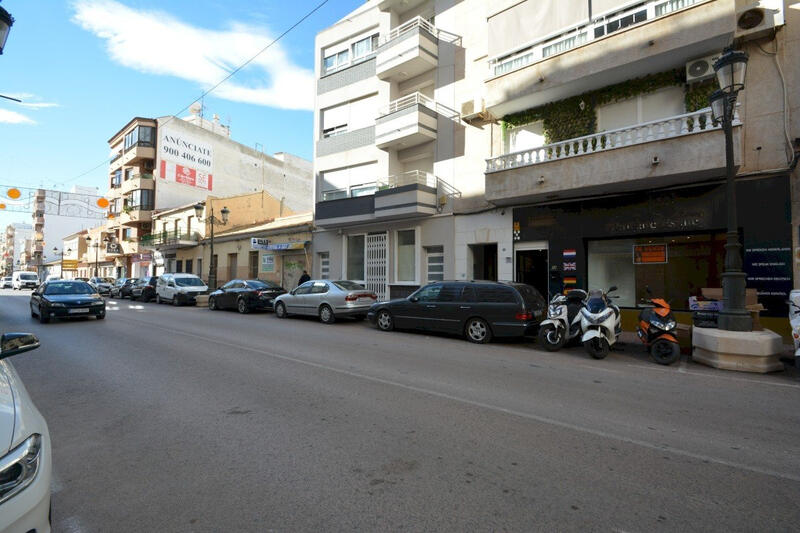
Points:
(55, 304)
(18, 468)
(554, 311)
(97, 303)
(595, 320)
(666, 326)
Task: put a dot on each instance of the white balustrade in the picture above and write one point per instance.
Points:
(686, 124)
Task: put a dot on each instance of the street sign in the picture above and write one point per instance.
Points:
(69, 264)
(257, 243)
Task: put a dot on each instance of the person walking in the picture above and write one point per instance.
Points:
(305, 277)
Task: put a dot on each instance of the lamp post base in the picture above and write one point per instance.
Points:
(734, 316)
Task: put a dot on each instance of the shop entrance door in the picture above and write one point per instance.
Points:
(484, 261)
(375, 275)
(531, 267)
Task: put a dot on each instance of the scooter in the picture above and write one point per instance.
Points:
(657, 330)
(563, 320)
(794, 321)
(600, 322)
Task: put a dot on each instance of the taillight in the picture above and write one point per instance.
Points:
(350, 298)
(373, 296)
(524, 316)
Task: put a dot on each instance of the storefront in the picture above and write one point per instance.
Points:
(672, 241)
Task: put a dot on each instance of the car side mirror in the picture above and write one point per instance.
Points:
(14, 343)
(413, 299)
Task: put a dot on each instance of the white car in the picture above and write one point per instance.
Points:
(24, 280)
(25, 466)
(6, 283)
(179, 289)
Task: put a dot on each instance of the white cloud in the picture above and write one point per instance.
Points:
(12, 117)
(31, 101)
(155, 42)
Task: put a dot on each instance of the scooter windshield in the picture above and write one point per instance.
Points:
(595, 305)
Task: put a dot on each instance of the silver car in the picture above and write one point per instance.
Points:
(326, 299)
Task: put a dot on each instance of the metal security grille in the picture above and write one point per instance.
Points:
(375, 275)
(324, 265)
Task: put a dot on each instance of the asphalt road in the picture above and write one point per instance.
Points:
(184, 419)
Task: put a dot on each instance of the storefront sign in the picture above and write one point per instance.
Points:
(645, 254)
(259, 244)
(769, 270)
(185, 159)
(688, 222)
(287, 246)
(113, 248)
(570, 266)
(268, 263)
(69, 264)
(141, 258)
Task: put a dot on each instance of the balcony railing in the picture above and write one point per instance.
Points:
(417, 98)
(585, 33)
(391, 182)
(416, 22)
(687, 124)
(407, 178)
(168, 237)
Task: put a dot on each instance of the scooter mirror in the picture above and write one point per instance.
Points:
(612, 288)
(647, 289)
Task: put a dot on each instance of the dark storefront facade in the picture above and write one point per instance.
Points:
(672, 241)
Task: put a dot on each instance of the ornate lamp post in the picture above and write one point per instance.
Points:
(212, 220)
(730, 69)
(6, 21)
(56, 252)
(96, 246)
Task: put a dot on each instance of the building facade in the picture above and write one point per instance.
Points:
(168, 162)
(17, 237)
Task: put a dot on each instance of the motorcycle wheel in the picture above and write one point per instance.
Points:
(551, 337)
(597, 348)
(665, 352)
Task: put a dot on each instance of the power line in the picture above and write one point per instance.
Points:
(205, 93)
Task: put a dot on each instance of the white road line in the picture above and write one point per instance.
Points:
(483, 405)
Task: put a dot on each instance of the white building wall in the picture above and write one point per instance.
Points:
(490, 227)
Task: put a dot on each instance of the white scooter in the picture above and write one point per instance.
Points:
(600, 322)
(794, 321)
(563, 320)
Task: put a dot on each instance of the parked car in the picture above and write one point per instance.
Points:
(103, 285)
(66, 298)
(25, 462)
(7, 282)
(179, 289)
(479, 310)
(122, 287)
(24, 280)
(82, 279)
(51, 277)
(327, 300)
(245, 295)
(144, 289)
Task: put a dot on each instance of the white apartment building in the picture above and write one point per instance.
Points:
(397, 170)
(167, 162)
(16, 236)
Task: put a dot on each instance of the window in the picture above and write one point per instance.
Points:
(179, 266)
(349, 116)
(319, 287)
(189, 266)
(364, 47)
(673, 5)
(336, 61)
(355, 257)
(564, 45)
(140, 136)
(324, 265)
(428, 293)
(406, 256)
(141, 199)
(495, 294)
(116, 181)
(199, 266)
(305, 288)
(524, 137)
(667, 102)
(358, 180)
(435, 261)
(233, 260)
(128, 173)
(253, 265)
(451, 292)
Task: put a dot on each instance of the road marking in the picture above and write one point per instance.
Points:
(484, 405)
(718, 376)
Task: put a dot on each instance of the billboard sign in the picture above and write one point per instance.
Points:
(185, 159)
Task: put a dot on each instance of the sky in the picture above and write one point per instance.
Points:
(84, 68)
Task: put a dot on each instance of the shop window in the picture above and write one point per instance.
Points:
(355, 257)
(406, 256)
(253, 265)
(435, 261)
(674, 267)
(324, 265)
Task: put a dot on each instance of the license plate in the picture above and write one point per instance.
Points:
(77, 311)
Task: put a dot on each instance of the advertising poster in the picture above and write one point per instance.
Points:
(185, 159)
(268, 263)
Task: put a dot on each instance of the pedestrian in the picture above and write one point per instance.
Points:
(305, 277)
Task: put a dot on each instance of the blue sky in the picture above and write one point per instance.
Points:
(86, 67)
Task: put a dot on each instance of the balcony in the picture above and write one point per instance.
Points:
(410, 194)
(137, 181)
(134, 215)
(677, 150)
(135, 154)
(409, 121)
(169, 240)
(407, 51)
(654, 36)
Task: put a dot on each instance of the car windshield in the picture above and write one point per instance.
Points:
(28, 276)
(189, 282)
(6, 279)
(259, 284)
(71, 287)
(348, 285)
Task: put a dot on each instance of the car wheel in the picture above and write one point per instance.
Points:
(158, 299)
(385, 320)
(477, 331)
(280, 310)
(242, 306)
(326, 315)
(33, 315)
(100, 316)
(43, 318)
(175, 301)
(212, 304)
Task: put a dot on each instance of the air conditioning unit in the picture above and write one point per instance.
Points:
(474, 111)
(701, 68)
(757, 19)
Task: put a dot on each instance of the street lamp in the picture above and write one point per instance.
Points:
(730, 69)
(6, 21)
(212, 220)
(96, 247)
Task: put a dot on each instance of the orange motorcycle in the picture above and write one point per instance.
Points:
(657, 330)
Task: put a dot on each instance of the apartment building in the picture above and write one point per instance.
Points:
(16, 236)
(398, 171)
(608, 156)
(164, 163)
